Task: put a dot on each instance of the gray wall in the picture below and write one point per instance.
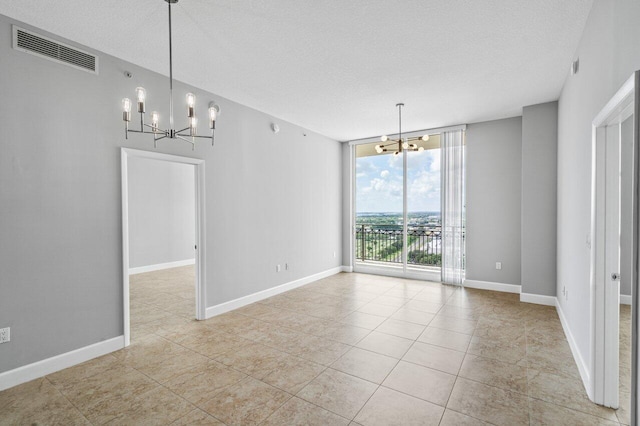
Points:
(539, 196)
(270, 198)
(161, 212)
(609, 54)
(494, 158)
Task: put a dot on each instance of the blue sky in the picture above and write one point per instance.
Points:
(379, 182)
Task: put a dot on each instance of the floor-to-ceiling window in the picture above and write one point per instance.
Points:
(398, 209)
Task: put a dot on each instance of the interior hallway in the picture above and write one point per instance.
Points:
(348, 349)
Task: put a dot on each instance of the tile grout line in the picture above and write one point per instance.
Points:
(180, 396)
(67, 399)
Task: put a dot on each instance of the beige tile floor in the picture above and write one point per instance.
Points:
(350, 349)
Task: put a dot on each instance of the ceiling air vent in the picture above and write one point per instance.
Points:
(30, 42)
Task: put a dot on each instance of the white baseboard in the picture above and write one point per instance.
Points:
(264, 294)
(29, 372)
(160, 266)
(347, 268)
(625, 299)
(488, 285)
(577, 356)
(538, 299)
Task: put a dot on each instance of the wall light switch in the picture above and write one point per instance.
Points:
(277, 268)
(498, 265)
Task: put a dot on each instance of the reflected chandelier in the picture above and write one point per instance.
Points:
(158, 134)
(400, 144)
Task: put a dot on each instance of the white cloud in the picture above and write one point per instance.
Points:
(384, 173)
(435, 164)
(425, 184)
(395, 161)
(386, 187)
(365, 166)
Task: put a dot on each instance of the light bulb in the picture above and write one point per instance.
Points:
(420, 149)
(155, 119)
(413, 146)
(126, 109)
(395, 154)
(191, 103)
(191, 100)
(193, 125)
(213, 114)
(379, 149)
(405, 145)
(141, 94)
(126, 105)
(425, 138)
(384, 138)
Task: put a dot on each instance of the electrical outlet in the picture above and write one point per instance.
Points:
(286, 266)
(5, 334)
(498, 265)
(277, 268)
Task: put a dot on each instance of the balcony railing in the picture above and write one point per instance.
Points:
(383, 243)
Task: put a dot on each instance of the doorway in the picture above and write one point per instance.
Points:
(614, 254)
(194, 169)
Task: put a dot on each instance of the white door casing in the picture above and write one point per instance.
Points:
(612, 263)
(605, 247)
(200, 229)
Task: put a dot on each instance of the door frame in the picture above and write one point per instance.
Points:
(605, 298)
(200, 228)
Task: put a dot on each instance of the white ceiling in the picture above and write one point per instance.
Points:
(339, 67)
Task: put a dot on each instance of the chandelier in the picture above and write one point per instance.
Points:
(400, 144)
(187, 134)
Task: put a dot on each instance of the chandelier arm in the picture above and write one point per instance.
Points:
(151, 126)
(145, 131)
(193, 144)
(156, 138)
(193, 136)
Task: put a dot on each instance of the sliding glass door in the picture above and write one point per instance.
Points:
(397, 210)
(379, 239)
